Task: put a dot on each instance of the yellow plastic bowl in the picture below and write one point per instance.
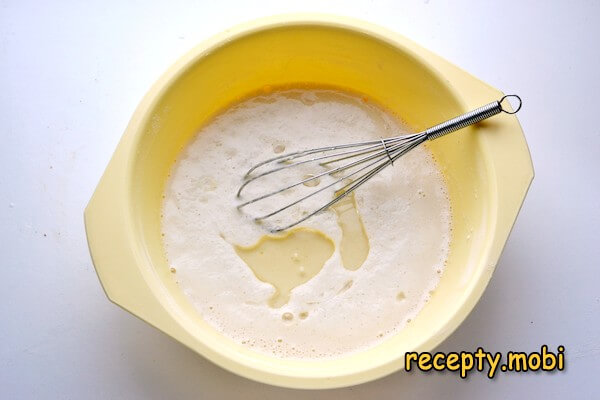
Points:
(488, 171)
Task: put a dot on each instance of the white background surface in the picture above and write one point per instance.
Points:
(71, 75)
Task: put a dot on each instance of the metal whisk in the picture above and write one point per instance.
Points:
(350, 165)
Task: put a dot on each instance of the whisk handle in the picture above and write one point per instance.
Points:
(470, 118)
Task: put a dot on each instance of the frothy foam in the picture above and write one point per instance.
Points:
(404, 209)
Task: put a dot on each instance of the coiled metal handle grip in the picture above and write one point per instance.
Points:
(472, 117)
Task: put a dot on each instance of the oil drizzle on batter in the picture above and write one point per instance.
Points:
(354, 247)
(287, 261)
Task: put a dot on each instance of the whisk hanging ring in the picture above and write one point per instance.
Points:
(508, 96)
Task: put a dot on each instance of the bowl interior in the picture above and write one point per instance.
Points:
(320, 55)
